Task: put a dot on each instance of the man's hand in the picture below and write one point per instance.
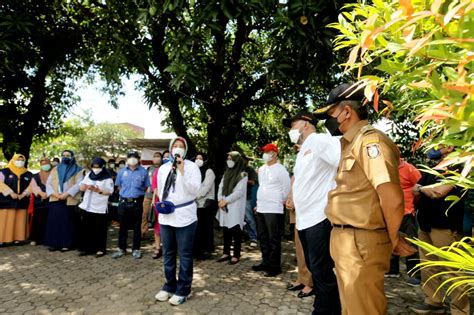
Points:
(289, 204)
(402, 247)
(13, 195)
(42, 195)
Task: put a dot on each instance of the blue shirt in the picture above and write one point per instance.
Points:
(132, 183)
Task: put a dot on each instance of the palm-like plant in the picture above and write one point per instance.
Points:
(457, 261)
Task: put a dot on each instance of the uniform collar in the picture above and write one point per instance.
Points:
(351, 133)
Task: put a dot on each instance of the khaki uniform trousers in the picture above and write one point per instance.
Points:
(362, 257)
(304, 275)
(440, 238)
(146, 209)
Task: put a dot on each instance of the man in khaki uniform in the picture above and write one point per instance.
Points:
(366, 208)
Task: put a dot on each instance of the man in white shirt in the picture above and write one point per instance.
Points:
(315, 171)
(271, 196)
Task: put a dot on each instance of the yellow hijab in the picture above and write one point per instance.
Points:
(18, 171)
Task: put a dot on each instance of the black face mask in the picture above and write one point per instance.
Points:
(333, 125)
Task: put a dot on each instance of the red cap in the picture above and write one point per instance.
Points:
(269, 147)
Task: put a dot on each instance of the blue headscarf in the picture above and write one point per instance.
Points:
(67, 170)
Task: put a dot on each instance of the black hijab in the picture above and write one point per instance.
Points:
(232, 176)
(205, 165)
(103, 174)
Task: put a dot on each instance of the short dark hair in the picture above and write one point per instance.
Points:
(361, 110)
(157, 153)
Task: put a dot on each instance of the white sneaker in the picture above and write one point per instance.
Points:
(163, 296)
(177, 300)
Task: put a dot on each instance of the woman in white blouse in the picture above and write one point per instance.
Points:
(178, 182)
(232, 197)
(204, 239)
(97, 186)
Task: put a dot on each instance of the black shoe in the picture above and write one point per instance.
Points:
(157, 254)
(293, 287)
(272, 273)
(302, 294)
(260, 267)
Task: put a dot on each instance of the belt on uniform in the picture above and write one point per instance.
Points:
(131, 200)
(348, 226)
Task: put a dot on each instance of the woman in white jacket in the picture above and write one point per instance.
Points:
(232, 197)
(178, 182)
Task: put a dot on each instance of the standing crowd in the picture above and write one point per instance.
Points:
(351, 196)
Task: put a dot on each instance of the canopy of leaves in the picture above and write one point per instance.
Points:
(212, 65)
(423, 55)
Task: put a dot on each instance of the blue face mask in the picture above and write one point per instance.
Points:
(165, 160)
(46, 167)
(66, 160)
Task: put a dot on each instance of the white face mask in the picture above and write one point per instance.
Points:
(132, 161)
(179, 151)
(112, 165)
(267, 157)
(230, 163)
(121, 165)
(199, 162)
(96, 170)
(19, 163)
(294, 135)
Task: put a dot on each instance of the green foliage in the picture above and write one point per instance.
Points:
(421, 54)
(212, 65)
(85, 138)
(44, 46)
(457, 261)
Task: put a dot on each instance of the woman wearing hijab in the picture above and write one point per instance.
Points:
(204, 240)
(232, 197)
(97, 187)
(62, 189)
(40, 211)
(14, 181)
(178, 182)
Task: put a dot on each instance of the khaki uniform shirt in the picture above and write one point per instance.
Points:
(368, 158)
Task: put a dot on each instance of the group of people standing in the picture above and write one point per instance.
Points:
(351, 197)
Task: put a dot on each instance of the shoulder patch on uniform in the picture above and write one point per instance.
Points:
(373, 150)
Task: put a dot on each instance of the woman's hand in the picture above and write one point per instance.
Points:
(222, 203)
(13, 195)
(180, 164)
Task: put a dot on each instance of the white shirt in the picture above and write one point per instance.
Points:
(186, 189)
(273, 189)
(315, 172)
(208, 188)
(93, 201)
(236, 205)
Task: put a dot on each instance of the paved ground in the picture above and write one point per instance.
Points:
(35, 281)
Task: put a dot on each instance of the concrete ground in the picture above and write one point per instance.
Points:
(36, 281)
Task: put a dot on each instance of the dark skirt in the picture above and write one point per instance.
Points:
(60, 225)
(38, 225)
(93, 232)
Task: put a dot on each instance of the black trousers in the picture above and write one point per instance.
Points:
(229, 234)
(269, 232)
(130, 217)
(93, 232)
(204, 237)
(410, 228)
(315, 242)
